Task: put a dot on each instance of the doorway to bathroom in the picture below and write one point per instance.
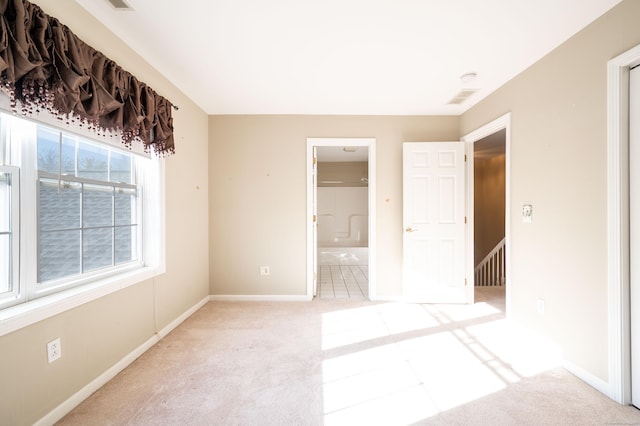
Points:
(341, 204)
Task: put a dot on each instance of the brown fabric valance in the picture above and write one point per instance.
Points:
(43, 65)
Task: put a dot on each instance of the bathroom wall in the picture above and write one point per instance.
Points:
(343, 204)
(343, 217)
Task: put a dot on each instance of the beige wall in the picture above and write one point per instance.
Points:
(257, 194)
(98, 334)
(558, 164)
(489, 204)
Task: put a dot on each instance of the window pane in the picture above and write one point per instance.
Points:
(59, 210)
(48, 150)
(5, 202)
(58, 254)
(97, 206)
(125, 206)
(5, 233)
(5, 263)
(126, 247)
(92, 162)
(97, 248)
(121, 170)
(68, 156)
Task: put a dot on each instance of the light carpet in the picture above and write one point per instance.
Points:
(349, 363)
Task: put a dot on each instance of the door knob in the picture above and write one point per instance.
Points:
(409, 229)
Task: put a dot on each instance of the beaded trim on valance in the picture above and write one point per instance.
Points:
(45, 66)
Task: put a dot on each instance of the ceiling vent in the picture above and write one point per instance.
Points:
(462, 96)
(119, 4)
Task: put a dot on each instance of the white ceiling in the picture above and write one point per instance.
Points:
(369, 57)
(339, 154)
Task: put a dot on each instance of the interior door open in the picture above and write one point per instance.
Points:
(434, 223)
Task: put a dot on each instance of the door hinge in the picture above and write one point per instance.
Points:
(465, 158)
(315, 160)
(465, 282)
(465, 219)
(315, 218)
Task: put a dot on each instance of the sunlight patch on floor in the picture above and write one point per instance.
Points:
(407, 362)
(367, 386)
(356, 363)
(406, 406)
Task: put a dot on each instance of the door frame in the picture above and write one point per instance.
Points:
(634, 234)
(370, 143)
(618, 261)
(500, 123)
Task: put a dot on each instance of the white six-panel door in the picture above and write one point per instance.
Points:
(434, 223)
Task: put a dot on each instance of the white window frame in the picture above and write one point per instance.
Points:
(153, 254)
(14, 219)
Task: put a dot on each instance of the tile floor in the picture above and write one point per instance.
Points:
(343, 282)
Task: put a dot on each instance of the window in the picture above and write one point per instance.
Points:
(87, 207)
(73, 211)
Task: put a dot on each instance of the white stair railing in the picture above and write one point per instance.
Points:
(491, 271)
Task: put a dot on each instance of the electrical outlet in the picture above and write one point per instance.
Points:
(54, 350)
(540, 306)
(264, 271)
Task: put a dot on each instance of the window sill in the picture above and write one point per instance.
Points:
(25, 314)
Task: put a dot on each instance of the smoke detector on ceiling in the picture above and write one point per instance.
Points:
(468, 77)
(119, 4)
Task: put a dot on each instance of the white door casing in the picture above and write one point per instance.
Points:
(634, 230)
(618, 386)
(501, 123)
(434, 245)
(312, 143)
(314, 174)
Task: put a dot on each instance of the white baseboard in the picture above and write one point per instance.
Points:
(176, 322)
(587, 377)
(390, 299)
(281, 298)
(258, 298)
(64, 408)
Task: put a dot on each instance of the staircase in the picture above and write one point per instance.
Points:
(491, 271)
